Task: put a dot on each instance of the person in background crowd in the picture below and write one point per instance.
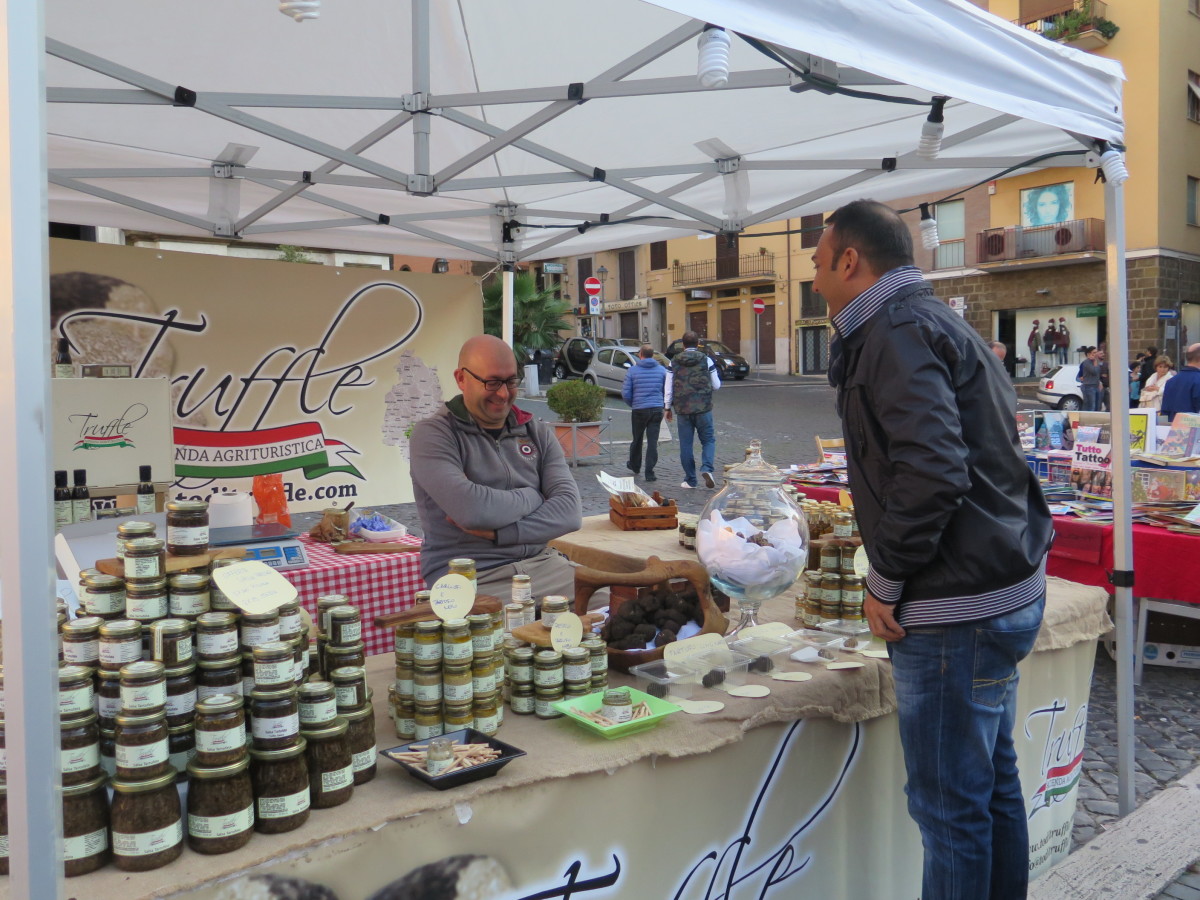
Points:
(689, 389)
(999, 349)
(1151, 395)
(1182, 393)
(1089, 380)
(957, 577)
(1149, 363)
(1033, 342)
(491, 482)
(1102, 369)
(643, 390)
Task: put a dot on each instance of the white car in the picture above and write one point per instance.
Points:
(609, 366)
(1060, 388)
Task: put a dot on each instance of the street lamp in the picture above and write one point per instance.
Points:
(602, 274)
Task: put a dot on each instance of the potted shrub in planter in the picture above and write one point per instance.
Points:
(578, 405)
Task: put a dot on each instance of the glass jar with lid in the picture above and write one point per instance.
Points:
(104, 596)
(145, 558)
(597, 655)
(360, 738)
(520, 699)
(127, 531)
(216, 634)
(79, 748)
(547, 669)
(519, 664)
(617, 705)
(457, 685)
(753, 567)
(577, 664)
(405, 718)
(350, 686)
(81, 641)
(427, 684)
(258, 628)
(147, 823)
(427, 642)
(189, 595)
(403, 641)
(280, 781)
(481, 633)
(485, 711)
(340, 657)
(171, 641)
(275, 718)
(143, 687)
(291, 624)
(85, 825)
(330, 765)
(318, 704)
(220, 730)
(181, 748)
(108, 697)
(181, 694)
(220, 807)
(141, 746)
(274, 666)
(404, 684)
(345, 625)
(544, 699)
(514, 616)
(427, 718)
(464, 566)
(325, 603)
(456, 640)
(553, 606)
(187, 527)
(483, 675)
(75, 690)
(458, 715)
(146, 599)
(219, 676)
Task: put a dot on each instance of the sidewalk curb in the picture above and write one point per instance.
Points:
(1136, 857)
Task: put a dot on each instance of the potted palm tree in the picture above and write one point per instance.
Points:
(578, 406)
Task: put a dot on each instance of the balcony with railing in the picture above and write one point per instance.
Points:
(1080, 23)
(1016, 243)
(730, 268)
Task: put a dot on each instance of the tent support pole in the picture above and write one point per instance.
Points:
(421, 84)
(27, 577)
(1118, 338)
(507, 304)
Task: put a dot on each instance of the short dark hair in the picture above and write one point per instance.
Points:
(876, 231)
(645, 351)
(690, 339)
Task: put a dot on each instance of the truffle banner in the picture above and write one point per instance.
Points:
(229, 454)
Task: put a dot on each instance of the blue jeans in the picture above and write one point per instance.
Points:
(1091, 397)
(702, 424)
(956, 693)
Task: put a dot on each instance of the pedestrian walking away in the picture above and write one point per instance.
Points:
(644, 389)
(956, 530)
(689, 389)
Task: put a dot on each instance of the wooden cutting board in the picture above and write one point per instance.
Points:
(367, 547)
(484, 603)
(175, 564)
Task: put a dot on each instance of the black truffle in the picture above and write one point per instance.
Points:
(666, 636)
(762, 664)
(712, 678)
(466, 877)
(274, 887)
(654, 689)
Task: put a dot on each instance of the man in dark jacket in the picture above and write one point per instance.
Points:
(956, 531)
(1182, 393)
(689, 389)
(643, 391)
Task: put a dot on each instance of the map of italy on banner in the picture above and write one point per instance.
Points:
(316, 373)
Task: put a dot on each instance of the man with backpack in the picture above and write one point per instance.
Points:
(688, 394)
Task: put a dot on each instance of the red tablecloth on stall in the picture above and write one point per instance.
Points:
(376, 583)
(1166, 564)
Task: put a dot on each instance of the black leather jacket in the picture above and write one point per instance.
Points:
(944, 497)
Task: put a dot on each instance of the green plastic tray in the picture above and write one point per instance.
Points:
(659, 709)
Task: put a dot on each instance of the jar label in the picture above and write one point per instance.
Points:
(548, 677)
(300, 668)
(63, 515)
(456, 651)
(181, 704)
(75, 701)
(221, 826)
(351, 632)
(203, 691)
(104, 604)
(183, 649)
(148, 842)
(578, 671)
(347, 696)
(337, 779)
(80, 758)
(120, 652)
(423, 732)
(3, 760)
(253, 635)
(187, 535)
(364, 759)
(458, 693)
(522, 593)
(521, 672)
(600, 663)
(145, 503)
(404, 686)
(482, 643)
(247, 685)
(274, 672)
(142, 756)
(289, 623)
(222, 740)
(486, 724)
(427, 693)
(431, 652)
(544, 709)
(438, 766)
(318, 713)
(264, 728)
(142, 567)
(484, 684)
(618, 714)
(85, 845)
(404, 645)
(406, 727)
(146, 608)
(189, 604)
(180, 760)
(282, 807)
(81, 652)
(521, 703)
(215, 644)
(108, 707)
(144, 696)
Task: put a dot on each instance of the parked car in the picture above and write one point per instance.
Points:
(1060, 388)
(573, 357)
(609, 367)
(729, 364)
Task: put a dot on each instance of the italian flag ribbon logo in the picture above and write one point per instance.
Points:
(1060, 781)
(99, 443)
(263, 451)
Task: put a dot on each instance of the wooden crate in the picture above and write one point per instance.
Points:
(643, 518)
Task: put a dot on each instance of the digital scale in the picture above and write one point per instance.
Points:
(276, 545)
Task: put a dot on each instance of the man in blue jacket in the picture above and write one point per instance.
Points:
(956, 531)
(1182, 393)
(643, 391)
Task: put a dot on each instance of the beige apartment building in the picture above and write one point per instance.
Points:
(1014, 251)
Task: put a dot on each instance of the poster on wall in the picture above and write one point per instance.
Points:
(1048, 204)
(312, 372)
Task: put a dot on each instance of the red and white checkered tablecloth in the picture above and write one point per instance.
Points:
(376, 583)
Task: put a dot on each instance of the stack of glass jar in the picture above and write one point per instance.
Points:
(833, 593)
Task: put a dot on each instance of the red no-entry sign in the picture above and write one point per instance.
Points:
(759, 305)
(592, 286)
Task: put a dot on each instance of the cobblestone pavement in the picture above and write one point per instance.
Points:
(785, 413)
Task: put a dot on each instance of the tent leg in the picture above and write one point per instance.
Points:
(507, 305)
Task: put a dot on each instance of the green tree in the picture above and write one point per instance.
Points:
(537, 315)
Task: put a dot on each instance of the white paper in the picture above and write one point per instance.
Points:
(623, 485)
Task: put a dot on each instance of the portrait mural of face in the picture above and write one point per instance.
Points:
(1048, 204)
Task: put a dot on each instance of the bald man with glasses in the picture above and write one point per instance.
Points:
(491, 482)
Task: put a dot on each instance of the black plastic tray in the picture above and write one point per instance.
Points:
(465, 776)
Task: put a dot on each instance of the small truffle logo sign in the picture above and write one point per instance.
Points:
(1062, 755)
(97, 433)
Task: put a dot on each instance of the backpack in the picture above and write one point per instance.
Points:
(692, 386)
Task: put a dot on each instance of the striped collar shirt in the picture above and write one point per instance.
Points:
(867, 303)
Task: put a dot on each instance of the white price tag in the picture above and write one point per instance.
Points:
(451, 597)
(254, 587)
(567, 632)
(701, 643)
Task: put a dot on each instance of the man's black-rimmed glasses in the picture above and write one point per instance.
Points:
(494, 384)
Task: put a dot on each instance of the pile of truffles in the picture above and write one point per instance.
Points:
(655, 617)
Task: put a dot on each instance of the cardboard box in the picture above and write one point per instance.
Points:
(1176, 655)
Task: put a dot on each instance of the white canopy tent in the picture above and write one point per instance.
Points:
(499, 131)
